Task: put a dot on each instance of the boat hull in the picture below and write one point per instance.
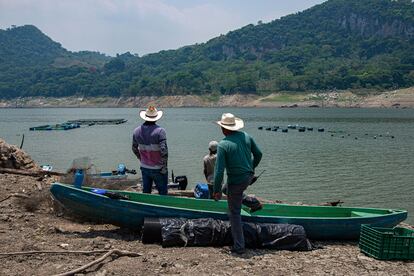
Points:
(131, 213)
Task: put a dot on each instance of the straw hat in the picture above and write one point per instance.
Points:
(151, 114)
(230, 122)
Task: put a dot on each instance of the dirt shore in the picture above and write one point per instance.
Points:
(36, 224)
(403, 98)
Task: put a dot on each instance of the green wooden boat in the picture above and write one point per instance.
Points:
(320, 222)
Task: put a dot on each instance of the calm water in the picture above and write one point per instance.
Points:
(310, 167)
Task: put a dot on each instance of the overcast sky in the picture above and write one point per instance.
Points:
(141, 26)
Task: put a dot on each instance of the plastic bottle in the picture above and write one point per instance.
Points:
(78, 179)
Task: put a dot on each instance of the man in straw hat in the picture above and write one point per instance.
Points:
(149, 144)
(209, 164)
(234, 153)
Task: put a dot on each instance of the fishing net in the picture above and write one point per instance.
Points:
(94, 177)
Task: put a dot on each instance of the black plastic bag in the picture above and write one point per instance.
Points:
(276, 236)
(197, 232)
(212, 232)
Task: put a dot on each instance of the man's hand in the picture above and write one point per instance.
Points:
(164, 170)
(254, 178)
(217, 196)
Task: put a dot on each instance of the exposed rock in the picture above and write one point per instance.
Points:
(13, 157)
(369, 26)
(403, 97)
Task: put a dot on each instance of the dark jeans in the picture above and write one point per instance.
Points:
(247, 201)
(234, 201)
(150, 176)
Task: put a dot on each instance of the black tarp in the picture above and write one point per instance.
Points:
(211, 232)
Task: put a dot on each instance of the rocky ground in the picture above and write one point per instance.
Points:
(12, 157)
(36, 224)
(30, 221)
(403, 98)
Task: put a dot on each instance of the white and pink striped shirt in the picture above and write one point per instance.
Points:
(149, 143)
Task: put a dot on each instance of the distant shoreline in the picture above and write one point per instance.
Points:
(403, 98)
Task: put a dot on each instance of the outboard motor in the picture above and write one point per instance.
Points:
(182, 182)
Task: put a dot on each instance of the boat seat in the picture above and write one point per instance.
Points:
(362, 214)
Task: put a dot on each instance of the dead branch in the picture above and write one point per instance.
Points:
(15, 195)
(118, 252)
(29, 173)
(52, 252)
(21, 144)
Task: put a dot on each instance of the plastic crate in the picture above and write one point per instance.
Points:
(387, 243)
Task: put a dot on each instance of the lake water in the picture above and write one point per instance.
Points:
(309, 167)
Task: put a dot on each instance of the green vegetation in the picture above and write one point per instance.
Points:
(340, 44)
(284, 98)
(211, 97)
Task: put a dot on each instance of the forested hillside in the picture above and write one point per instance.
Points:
(339, 44)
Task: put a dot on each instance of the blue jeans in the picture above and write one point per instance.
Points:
(234, 202)
(150, 176)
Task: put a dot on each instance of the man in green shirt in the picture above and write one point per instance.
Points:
(234, 153)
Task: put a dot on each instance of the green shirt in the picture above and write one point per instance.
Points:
(234, 153)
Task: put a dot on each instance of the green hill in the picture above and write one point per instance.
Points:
(33, 64)
(339, 44)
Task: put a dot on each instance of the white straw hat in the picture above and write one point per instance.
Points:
(230, 122)
(151, 114)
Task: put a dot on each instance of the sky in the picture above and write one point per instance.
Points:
(141, 26)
